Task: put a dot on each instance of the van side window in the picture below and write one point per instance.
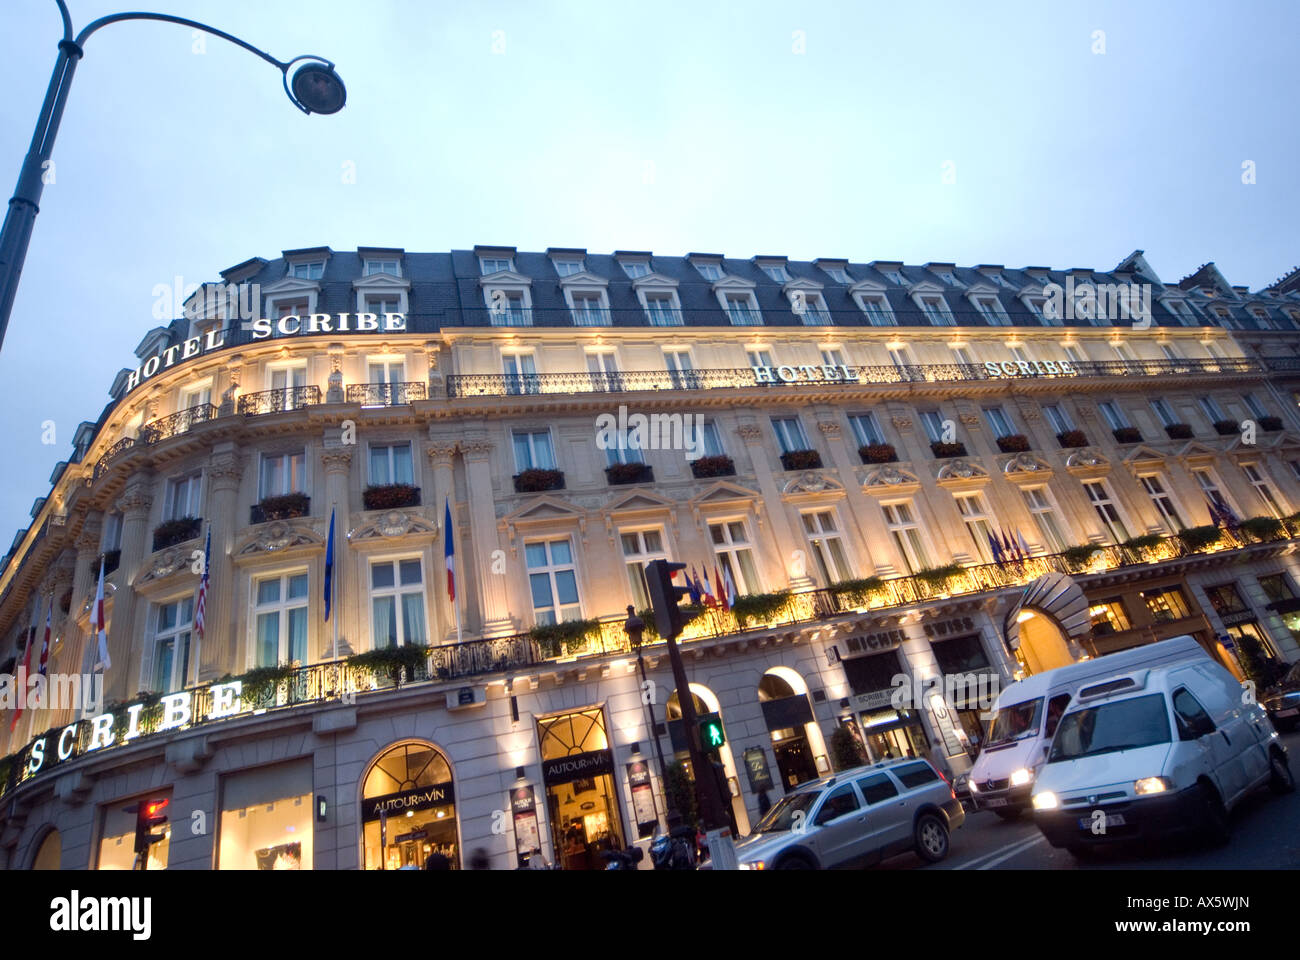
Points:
(915, 774)
(1192, 718)
(1055, 708)
(841, 801)
(877, 789)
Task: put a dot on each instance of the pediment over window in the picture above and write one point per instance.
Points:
(982, 289)
(504, 278)
(1263, 442)
(164, 566)
(1196, 451)
(925, 286)
(723, 492)
(812, 482)
(961, 470)
(802, 283)
(380, 282)
(1144, 454)
(149, 344)
(290, 285)
(583, 278)
(1086, 457)
(1027, 465)
(278, 536)
(890, 478)
(542, 509)
(392, 523)
(733, 283)
(641, 500)
(653, 281)
(869, 287)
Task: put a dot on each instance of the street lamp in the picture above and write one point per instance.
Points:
(314, 88)
(634, 626)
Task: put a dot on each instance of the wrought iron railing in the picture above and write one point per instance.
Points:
(277, 401)
(119, 449)
(386, 394)
(177, 423)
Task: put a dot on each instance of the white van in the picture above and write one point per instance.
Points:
(1156, 751)
(1026, 714)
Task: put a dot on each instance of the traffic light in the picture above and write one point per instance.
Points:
(711, 733)
(665, 596)
(148, 814)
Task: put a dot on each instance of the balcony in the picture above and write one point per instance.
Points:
(386, 394)
(664, 317)
(171, 532)
(801, 460)
(716, 466)
(511, 318)
(278, 401)
(591, 317)
(816, 318)
(536, 480)
(621, 473)
(117, 450)
(177, 423)
(390, 496)
(283, 507)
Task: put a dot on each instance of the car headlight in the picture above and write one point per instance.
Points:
(970, 784)
(1021, 777)
(1151, 785)
(752, 865)
(1045, 801)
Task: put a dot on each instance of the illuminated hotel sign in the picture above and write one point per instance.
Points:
(262, 328)
(846, 373)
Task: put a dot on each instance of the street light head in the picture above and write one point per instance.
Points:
(634, 627)
(316, 88)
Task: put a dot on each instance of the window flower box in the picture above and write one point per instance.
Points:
(719, 466)
(391, 496)
(943, 451)
(535, 480)
(172, 532)
(878, 453)
(1270, 424)
(111, 559)
(1179, 431)
(283, 507)
(1013, 443)
(1226, 428)
(1127, 435)
(1072, 438)
(801, 460)
(621, 473)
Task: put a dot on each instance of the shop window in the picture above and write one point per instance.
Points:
(581, 797)
(961, 655)
(1166, 604)
(1109, 616)
(117, 836)
(49, 855)
(1225, 599)
(266, 818)
(408, 809)
(1277, 587)
(876, 672)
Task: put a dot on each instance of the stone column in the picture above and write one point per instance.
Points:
(442, 488)
(336, 462)
(770, 488)
(134, 505)
(218, 650)
(497, 621)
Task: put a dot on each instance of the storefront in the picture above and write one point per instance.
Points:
(728, 777)
(267, 818)
(788, 715)
(117, 836)
(968, 675)
(408, 808)
(887, 730)
(581, 796)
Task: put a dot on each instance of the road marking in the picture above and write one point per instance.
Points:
(1023, 847)
(1010, 849)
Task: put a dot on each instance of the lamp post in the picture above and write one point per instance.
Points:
(634, 626)
(314, 88)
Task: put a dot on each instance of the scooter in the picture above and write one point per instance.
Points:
(625, 859)
(675, 851)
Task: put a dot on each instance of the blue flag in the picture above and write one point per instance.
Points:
(995, 546)
(329, 568)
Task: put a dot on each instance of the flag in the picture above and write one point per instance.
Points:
(731, 587)
(1229, 518)
(693, 585)
(449, 550)
(995, 547)
(201, 604)
(45, 647)
(722, 593)
(97, 620)
(1006, 545)
(1215, 517)
(329, 568)
(1024, 547)
(27, 663)
(707, 590)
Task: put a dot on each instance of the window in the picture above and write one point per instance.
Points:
(775, 272)
(508, 308)
(951, 280)
(567, 267)
(1191, 716)
(520, 370)
(397, 585)
(838, 274)
(1254, 406)
(1277, 587)
(1259, 480)
(814, 312)
(915, 775)
(1211, 489)
(199, 395)
(974, 513)
(662, 310)
(183, 497)
(281, 473)
(287, 384)
(1109, 616)
(898, 356)
(1123, 353)
(1044, 513)
(1166, 604)
(833, 357)
(1113, 414)
(877, 789)
(635, 268)
(998, 422)
(386, 267)
(937, 310)
(840, 802)
(877, 310)
(961, 655)
(489, 265)
(712, 439)
(603, 367)
(789, 434)
(735, 556)
(533, 450)
(280, 620)
(1213, 412)
(171, 663)
(907, 535)
(112, 539)
(625, 449)
(1225, 599)
(1057, 417)
(742, 309)
(307, 271)
(865, 429)
(1182, 311)
(553, 580)
(1106, 509)
(992, 311)
(380, 305)
(709, 271)
(933, 423)
(1164, 412)
(267, 818)
(391, 463)
(759, 358)
(639, 548)
(1000, 280)
(827, 547)
(679, 366)
(1171, 352)
(896, 277)
(1164, 503)
(962, 355)
(589, 310)
(1073, 353)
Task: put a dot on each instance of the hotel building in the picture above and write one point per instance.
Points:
(884, 460)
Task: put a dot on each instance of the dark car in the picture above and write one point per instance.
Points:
(1282, 700)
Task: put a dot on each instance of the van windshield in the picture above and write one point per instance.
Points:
(1123, 725)
(783, 816)
(1015, 722)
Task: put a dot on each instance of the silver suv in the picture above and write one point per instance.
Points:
(856, 818)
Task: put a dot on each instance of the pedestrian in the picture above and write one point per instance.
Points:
(436, 861)
(940, 763)
(478, 860)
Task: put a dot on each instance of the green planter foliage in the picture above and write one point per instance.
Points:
(651, 633)
(1226, 428)
(937, 577)
(1179, 431)
(1127, 435)
(1013, 443)
(285, 507)
(536, 480)
(389, 661)
(391, 496)
(567, 637)
(857, 593)
(1198, 538)
(171, 532)
(258, 686)
(1079, 555)
(801, 460)
(718, 466)
(759, 607)
(1262, 528)
(845, 751)
(1072, 438)
(681, 793)
(943, 450)
(878, 453)
(1254, 664)
(1145, 542)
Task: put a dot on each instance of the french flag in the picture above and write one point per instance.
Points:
(449, 550)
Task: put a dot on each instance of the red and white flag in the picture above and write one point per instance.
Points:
(27, 663)
(45, 647)
(722, 594)
(731, 587)
(97, 620)
(449, 551)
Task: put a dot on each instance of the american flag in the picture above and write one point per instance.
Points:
(201, 604)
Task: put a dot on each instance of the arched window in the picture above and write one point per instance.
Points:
(408, 808)
(49, 855)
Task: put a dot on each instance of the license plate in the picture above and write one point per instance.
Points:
(1289, 713)
(1112, 820)
(997, 802)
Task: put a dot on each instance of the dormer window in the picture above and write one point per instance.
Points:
(311, 270)
(589, 308)
(936, 309)
(838, 274)
(742, 308)
(991, 309)
(810, 307)
(568, 266)
(1183, 311)
(893, 276)
(709, 270)
(1263, 320)
(491, 265)
(877, 309)
(1001, 281)
(387, 267)
(662, 309)
(947, 277)
(635, 268)
(775, 271)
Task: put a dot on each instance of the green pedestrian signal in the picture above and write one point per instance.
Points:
(711, 734)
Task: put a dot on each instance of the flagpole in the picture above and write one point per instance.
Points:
(334, 591)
